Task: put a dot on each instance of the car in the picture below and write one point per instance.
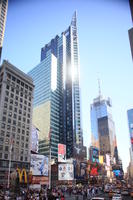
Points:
(125, 192)
(97, 198)
(117, 197)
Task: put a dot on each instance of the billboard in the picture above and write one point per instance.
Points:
(94, 154)
(107, 160)
(101, 159)
(39, 165)
(61, 153)
(83, 168)
(65, 172)
(34, 139)
(40, 180)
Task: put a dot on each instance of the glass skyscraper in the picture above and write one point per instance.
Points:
(57, 93)
(130, 125)
(102, 127)
(3, 13)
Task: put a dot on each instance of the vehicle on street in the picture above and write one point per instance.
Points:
(125, 193)
(97, 198)
(117, 197)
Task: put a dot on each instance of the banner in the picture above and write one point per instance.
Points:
(65, 172)
(61, 153)
(39, 165)
(35, 138)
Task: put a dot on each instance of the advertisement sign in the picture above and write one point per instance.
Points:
(108, 160)
(35, 137)
(94, 154)
(40, 180)
(101, 159)
(61, 153)
(39, 165)
(94, 171)
(83, 168)
(65, 172)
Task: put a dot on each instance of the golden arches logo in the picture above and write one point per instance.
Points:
(21, 173)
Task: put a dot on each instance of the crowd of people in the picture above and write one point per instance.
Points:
(56, 193)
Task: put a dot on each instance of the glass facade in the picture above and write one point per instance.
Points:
(130, 125)
(56, 80)
(102, 126)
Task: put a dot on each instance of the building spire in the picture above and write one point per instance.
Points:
(74, 18)
(99, 87)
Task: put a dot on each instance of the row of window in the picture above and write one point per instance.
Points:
(18, 81)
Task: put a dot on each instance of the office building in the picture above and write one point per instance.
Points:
(130, 31)
(3, 14)
(130, 125)
(102, 127)
(16, 97)
(57, 93)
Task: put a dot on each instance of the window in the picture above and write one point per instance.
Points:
(7, 93)
(12, 89)
(9, 120)
(6, 148)
(4, 119)
(13, 78)
(13, 128)
(7, 87)
(12, 95)
(2, 125)
(6, 156)
(10, 114)
(10, 107)
(14, 122)
(6, 99)
(8, 127)
(21, 158)
(5, 105)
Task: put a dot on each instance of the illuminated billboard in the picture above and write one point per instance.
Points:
(94, 154)
(101, 159)
(39, 165)
(61, 153)
(65, 172)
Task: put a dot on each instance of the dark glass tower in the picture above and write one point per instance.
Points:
(103, 128)
(64, 101)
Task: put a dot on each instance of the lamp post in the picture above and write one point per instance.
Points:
(9, 169)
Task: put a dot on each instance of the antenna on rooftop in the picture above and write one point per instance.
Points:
(99, 87)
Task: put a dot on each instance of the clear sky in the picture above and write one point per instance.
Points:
(103, 44)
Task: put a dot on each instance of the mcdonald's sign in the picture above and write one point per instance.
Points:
(22, 172)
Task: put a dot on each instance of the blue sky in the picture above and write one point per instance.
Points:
(103, 44)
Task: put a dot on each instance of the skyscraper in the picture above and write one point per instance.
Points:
(102, 127)
(57, 92)
(130, 31)
(16, 97)
(3, 13)
(130, 125)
